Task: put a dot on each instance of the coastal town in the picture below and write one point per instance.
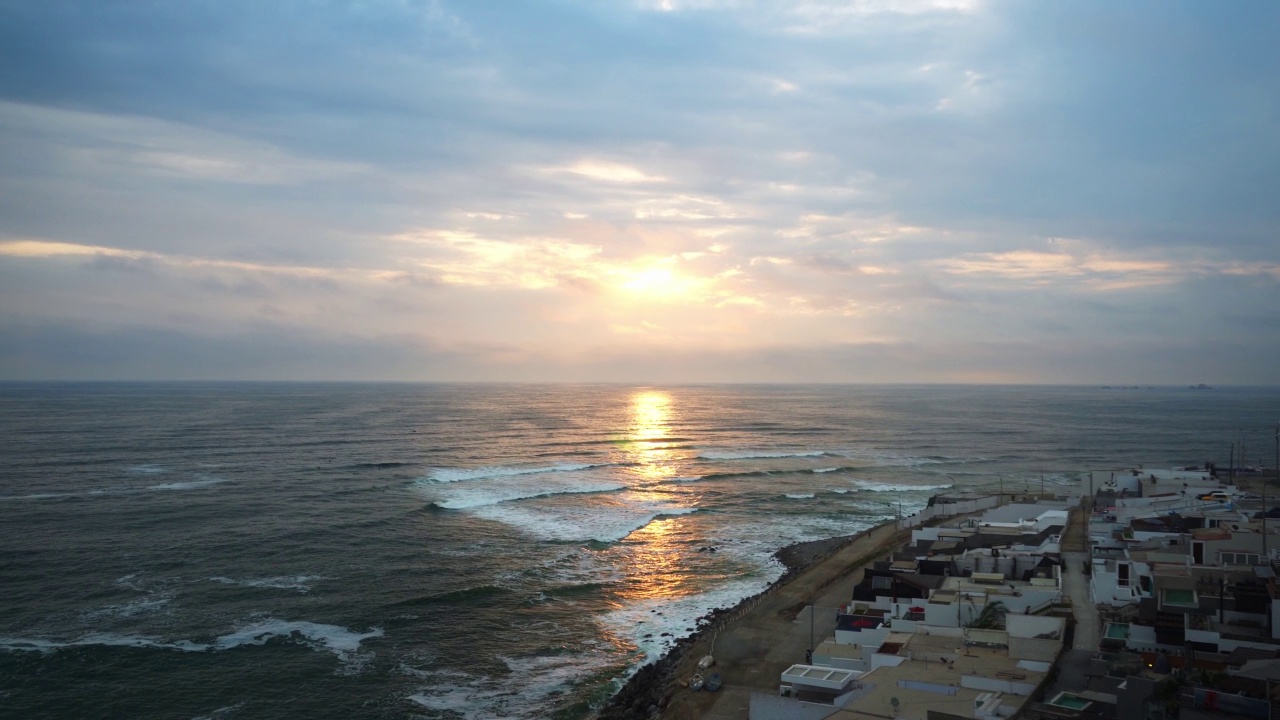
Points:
(1139, 593)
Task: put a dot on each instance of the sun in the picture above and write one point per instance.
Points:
(656, 281)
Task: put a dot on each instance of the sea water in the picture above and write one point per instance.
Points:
(476, 551)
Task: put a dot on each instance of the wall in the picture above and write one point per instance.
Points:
(1243, 618)
(942, 615)
(1030, 626)
(939, 615)
(882, 660)
(1240, 542)
(948, 510)
(870, 637)
(936, 655)
(986, 638)
(1203, 636)
(1031, 649)
(924, 533)
(1105, 586)
(941, 631)
(764, 706)
(841, 662)
(1013, 687)
(1226, 645)
(1142, 638)
(1131, 701)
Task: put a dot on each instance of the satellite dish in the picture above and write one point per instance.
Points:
(894, 702)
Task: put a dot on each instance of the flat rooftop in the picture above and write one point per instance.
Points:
(883, 684)
(826, 678)
(1019, 512)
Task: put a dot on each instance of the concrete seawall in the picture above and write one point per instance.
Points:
(754, 641)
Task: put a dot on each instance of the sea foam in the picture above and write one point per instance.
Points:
(129, 609)
(531, 689)
(894, 487)
(450, 475)
(300, 583)
(473, 497)
(756, 454)
(187, 485)
(335, 639)
(609, 523)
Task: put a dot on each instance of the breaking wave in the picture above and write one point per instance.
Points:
(493, 496)
(603, 524)
(300, 583)
(449, 475)
(340, 641)
(893, 487)
(188, 485)
(759, 454)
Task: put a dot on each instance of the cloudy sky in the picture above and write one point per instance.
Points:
(641, 190)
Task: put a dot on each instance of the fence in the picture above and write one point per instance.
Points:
(946, 510)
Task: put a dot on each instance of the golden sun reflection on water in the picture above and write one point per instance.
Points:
(655, 569)
(649, 440)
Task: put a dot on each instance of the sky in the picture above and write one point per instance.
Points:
(653, 191)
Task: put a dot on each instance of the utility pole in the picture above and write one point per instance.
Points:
(812, 610)
(1265, 509)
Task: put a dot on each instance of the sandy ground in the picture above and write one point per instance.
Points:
(752, 651)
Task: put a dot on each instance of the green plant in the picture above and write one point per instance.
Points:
(991, 617)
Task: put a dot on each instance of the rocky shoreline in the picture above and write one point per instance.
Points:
(649, 690)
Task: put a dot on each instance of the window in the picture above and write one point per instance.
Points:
(1124, 575)
(881, 583)
(1238, 558)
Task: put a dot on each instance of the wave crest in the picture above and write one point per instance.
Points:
(493, 497)
(759, 454)
(450, 475)
(340, 641)
(892, 487)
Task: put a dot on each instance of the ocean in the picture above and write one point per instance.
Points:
(477, 551)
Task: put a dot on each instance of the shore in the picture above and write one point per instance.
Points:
(742, 637)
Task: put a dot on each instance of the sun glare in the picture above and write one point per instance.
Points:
(656, 281)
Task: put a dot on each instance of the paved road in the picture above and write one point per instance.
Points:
(1076, 586)
(1075, 554)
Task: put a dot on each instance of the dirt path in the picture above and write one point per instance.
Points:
(774, 634)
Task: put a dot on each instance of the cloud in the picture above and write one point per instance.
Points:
(589, 190)
(610, 172)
